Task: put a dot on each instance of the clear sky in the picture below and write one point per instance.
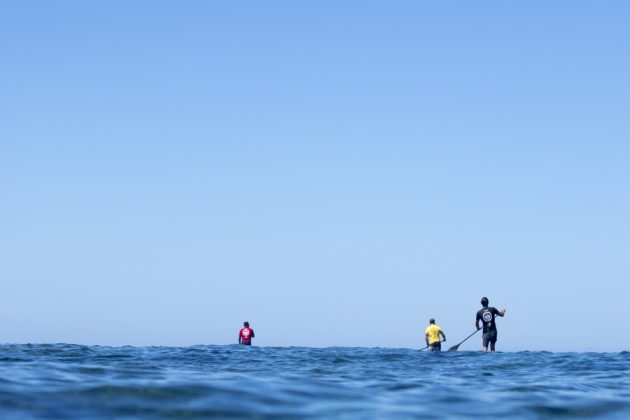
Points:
(334, 172)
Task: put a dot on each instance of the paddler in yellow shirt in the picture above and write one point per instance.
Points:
(432, 336)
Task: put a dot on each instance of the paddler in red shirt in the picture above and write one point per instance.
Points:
(246, 334)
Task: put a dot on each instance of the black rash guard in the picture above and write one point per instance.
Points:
(487, 315)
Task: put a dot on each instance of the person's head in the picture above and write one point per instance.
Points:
(246, 324)
(484, 302)
(432, 321)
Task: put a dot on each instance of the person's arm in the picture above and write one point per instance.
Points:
(239, 337)
(477, 321)
(443, 335)
(253, 335)
(497, 312)
(426, 339)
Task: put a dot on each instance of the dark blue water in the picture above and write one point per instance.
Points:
(56, 381)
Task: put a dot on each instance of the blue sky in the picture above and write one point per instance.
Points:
(334, 172)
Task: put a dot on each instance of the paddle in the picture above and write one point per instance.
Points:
(424, 348)
(456, 346)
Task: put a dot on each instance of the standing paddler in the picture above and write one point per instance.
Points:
(487, 315)
(246, 334)
(432, 336)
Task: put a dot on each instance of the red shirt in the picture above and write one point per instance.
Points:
(246, 335)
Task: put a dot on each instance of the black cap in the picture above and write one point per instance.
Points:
(484, 301)
(432, 321)
(246, 324)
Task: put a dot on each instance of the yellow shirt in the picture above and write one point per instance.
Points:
(434, 333)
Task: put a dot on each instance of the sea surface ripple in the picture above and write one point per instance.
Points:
(62, 380)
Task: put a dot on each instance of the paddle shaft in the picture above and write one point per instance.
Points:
(424, 348)
(455, 347)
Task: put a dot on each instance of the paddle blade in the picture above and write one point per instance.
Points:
(454, 348)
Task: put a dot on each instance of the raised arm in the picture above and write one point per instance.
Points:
(502, 312)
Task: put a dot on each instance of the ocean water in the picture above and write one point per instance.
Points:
(60, 381)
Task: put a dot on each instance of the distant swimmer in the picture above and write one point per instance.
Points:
(246, 334)
(432, 336)
(487, 316)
